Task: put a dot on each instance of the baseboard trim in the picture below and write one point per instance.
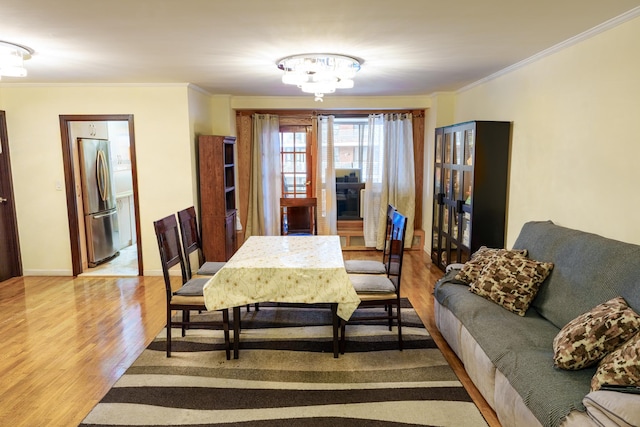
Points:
(47, 273)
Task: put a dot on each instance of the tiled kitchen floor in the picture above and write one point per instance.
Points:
(125, 264)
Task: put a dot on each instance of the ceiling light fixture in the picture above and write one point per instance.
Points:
(319, 73)
(12, 57)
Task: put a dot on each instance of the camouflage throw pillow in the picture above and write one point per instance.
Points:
(589, 337)
(512, 281)
(620, 367)
(472, 268)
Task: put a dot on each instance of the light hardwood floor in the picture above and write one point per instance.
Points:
(65, 341)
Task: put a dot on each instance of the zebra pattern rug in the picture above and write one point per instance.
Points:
(286, 376)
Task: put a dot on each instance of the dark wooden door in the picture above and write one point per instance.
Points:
(10, 265)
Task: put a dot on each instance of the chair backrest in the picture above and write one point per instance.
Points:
(190, 236)
(396, 248)
(298, 215)
(385, 249)
(169, 247)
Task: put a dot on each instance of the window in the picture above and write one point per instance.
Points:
(350, 154)
(350, 137)
(295, 151)
(298, 179)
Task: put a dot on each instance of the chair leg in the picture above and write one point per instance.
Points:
(390, 316)
(168, 332)
(343, 327)
(186, 316)
(399, 328)
(225, 325)
(257, 307)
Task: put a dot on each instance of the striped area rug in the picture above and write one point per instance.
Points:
(286, 376)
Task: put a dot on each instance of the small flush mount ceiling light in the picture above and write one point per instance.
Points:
(319, 73)
(12, 57)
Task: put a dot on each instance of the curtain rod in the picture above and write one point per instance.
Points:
(315, 113)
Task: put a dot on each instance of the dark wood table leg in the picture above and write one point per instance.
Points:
(336, 323)
(236, 332)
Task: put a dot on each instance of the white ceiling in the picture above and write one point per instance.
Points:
(410, 47)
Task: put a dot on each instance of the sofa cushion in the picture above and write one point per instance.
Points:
(620, 367)
(521, 348)
(472, 268)
(589, 337)
(511, 281)
(605, 268)
(609, 408)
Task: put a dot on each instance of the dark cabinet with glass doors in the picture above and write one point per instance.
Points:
(470, 189)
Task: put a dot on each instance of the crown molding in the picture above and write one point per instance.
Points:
(23, 85)
(598, 29)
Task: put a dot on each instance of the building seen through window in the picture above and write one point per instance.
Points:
(350, 154)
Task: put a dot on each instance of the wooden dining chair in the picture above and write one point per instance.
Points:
(298, 215)
(367, 266)
(191, 243)
(188, 295)
(383, 290)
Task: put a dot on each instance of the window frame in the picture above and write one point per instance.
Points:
(309, 156)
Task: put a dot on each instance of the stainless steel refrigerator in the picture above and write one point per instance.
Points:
(99, 200)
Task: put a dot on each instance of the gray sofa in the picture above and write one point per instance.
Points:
(510, 358)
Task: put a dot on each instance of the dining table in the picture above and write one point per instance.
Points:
(284, 269)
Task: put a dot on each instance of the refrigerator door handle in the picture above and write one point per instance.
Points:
(110, 213)
(103, 175)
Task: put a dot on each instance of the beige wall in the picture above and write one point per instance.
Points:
(224, 119)
(163, 137)
(200, 123)
(575, 146)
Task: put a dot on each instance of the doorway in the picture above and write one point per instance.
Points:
(10, 263)
(297, 167)
(118, 130)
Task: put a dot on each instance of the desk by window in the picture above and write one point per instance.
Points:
(296, 269)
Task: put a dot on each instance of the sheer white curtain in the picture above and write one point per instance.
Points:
(373, 164)
(326, 178)
(265, 188)
(390, 175)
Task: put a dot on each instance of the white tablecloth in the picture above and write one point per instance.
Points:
(302, 269)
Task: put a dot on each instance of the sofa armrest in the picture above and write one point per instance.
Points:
(454, 266)
(611, 408)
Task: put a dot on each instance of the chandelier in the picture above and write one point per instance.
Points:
(319, 73)
(12, 57)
